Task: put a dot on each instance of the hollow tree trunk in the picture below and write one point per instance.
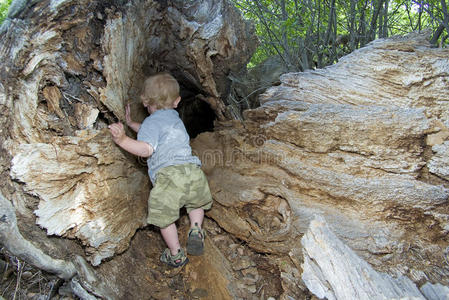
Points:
(363, 144)
(68, 69)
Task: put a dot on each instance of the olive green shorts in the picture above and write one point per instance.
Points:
(175, 187)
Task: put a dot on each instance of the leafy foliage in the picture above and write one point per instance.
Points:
(315, 33)
(4, 5)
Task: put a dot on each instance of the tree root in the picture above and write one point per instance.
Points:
(83, 280)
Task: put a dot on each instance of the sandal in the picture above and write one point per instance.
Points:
(175, 261)
(195, 241)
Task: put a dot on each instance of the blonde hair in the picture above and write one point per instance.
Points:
(160, 90)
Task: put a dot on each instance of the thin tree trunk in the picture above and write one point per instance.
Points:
(329, 38)
(443, 25)
(385, 25)
(334, 35)
(373, 25)
(410, 19)
(320, 53)
(446, 15)
(330, 22)
(420, 15)
(287, 51)
(362, 25)
(352, 32)
(383, 20)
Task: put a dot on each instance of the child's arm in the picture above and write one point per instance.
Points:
(133, 125)
(133, 146)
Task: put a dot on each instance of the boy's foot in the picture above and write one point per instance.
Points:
(195, 241)
(175, 261)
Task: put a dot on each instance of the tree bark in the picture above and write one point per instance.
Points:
(374, 19)
(69, 68)
(352, 28)
(351, 143)
(327, 142)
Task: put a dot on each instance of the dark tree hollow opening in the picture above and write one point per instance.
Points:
(196, 114)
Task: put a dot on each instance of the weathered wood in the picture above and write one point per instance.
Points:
(332, 270)
(435, 291)
(74, 270)
(87, 188)
(12, 239)
(360, 143)
(68, 70)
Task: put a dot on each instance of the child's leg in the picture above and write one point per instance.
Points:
(173, 256)
(196, 216)
(195, 239)
(170, 236)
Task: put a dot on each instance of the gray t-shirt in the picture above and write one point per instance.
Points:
(166, 133)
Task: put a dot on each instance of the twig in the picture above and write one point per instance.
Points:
(445, 255)
(66, 95)
(6, 288)
(258, 290)
(52, 286)
(20, 268)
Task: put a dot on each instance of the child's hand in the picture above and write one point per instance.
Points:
(133, 125)
(131, 145)
(129, 121)
(118, 132)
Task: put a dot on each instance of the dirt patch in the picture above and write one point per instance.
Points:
(228, 269)
(20, 280)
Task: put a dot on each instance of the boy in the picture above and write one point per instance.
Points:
(175, 173)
